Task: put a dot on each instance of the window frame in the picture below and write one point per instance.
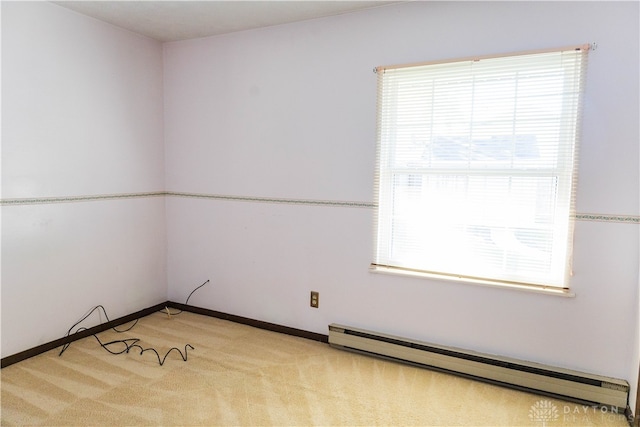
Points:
(382, 181)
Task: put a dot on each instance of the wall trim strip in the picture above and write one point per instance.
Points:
(98, 197)
(69, 199)
(592, 217)
(287, 201)
(628, 219)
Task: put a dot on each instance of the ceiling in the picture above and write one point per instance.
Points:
(188, 19)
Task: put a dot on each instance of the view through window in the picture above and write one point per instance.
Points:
(477, 167)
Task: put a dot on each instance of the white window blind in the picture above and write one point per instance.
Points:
(477, 165)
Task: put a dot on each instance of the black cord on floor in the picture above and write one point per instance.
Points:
(129, 343)
(104, 311)
(174, 313)
(161, 362)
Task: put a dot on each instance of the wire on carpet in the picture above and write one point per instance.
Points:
(173, 313)
(129, 343)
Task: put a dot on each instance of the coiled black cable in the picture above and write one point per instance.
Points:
(104, 311)
(129, 343)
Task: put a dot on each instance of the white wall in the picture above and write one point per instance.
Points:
(82, 116)
(288, 112)
(635, 365)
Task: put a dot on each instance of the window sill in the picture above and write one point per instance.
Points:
(539, 289)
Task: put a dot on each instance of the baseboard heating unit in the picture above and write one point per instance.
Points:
(562, 383)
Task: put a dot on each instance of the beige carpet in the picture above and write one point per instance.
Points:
(239, 375)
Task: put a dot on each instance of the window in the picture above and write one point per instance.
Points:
(476, 167)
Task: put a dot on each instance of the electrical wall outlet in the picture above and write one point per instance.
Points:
(315, 299)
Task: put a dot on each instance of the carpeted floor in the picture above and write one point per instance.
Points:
(237, 375)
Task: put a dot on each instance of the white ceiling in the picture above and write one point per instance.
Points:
(188, 19)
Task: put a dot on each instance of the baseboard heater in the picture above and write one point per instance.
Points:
(546, 380)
